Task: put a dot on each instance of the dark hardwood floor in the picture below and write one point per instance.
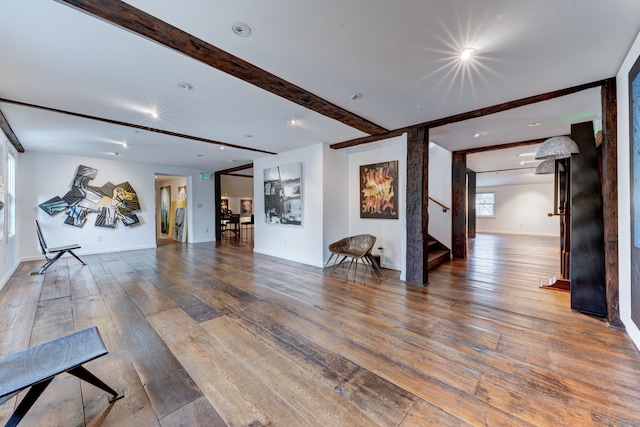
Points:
(214, 335)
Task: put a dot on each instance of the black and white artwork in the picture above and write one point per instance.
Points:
(283, 194)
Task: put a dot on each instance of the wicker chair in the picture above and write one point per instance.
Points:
(354, 248)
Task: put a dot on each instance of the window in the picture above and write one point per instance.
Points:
(11, 194)
(486, 205)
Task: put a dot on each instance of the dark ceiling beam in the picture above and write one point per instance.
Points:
(235, 169)
(137, 21)
(473, 114)
(6, 128)
(503, 146)
(131, 125)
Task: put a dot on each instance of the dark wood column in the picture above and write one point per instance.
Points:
(459, 205)
(417, 205)
(471, 203)
(610, 199)
(588, 288)
(218, 198)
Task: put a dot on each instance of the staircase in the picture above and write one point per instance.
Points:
(437, 253)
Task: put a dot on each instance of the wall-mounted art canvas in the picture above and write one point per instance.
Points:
(379, 190)
(165, 205)
(283, 194)
(180, 220)
(224, 206)
(3, 214)
(182, 192)
(111, 202)
(634, 139)
(246, 206)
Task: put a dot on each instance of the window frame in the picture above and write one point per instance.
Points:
(493, 205)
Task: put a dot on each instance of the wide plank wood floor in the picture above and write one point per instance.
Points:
(214, 335)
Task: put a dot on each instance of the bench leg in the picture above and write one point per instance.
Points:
(87, 376)
(32, 395)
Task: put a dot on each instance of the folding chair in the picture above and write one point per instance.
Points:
(57, 252)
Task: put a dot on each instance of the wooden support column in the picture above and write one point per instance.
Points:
(417, 205)
(459, 205)
(588, 288)
(471, 203)
(218, 199)
(610, 199)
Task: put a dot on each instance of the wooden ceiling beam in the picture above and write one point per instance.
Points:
(13, 139)
(132, 125)
(481, 112)
(139, 22)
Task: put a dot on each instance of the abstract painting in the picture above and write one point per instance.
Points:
(224, 206)
(182, 192)
(283, 194)
(634, 143)
(111, 202)
(379, 190)
(179, 224)
(165, 205)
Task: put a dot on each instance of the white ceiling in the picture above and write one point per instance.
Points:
(401, 56)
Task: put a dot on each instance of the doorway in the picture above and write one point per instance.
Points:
(171, 209)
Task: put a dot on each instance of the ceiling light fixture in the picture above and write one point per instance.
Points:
(558, 147)
(241, 29)
(477, 134)
(292, 122)
(534, 124)
(185, 86)
(526, 154)
(356, 96)
(154, 114)
(546, 167)
(467, 53)
(222, 147)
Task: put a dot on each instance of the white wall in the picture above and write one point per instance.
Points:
(302, 243)
(521, 209)
(624, 193)
(390, 233)
(42, 176)
(440, 190)
(336, 197)
(234, 189)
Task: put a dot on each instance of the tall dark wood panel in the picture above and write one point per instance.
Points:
(588, 289)
(459, 205)
(471, 203)
(417, 205)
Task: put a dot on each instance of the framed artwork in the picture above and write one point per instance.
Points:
(165, 209)
(379, 190)
(182, 192)
(634, 144)
(224, 206)
(246, 206)
(283, 194)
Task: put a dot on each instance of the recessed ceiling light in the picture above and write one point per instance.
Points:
(200, 155)
(534, 124)
(185, 85)
(356, 96)
(249, 136)
(466, 54)
(153, 113)
(232, 161)
(241, 29)
(477, 134)
(526, 154)
(292, 121)
(222, 147)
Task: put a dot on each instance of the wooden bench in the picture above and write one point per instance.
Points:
(36, 367)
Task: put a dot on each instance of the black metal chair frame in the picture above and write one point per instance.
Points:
(352, 248)
(57, 252)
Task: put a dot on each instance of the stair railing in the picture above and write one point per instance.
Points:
(444, 208)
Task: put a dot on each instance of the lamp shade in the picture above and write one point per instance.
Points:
(558, 147)
(546, 167)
